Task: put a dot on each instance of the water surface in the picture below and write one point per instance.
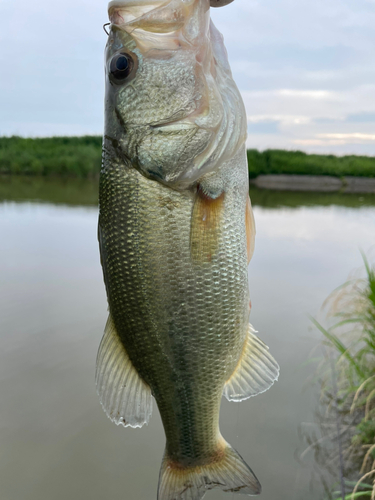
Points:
(56, 441)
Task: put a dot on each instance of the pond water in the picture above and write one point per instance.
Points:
(56, 442)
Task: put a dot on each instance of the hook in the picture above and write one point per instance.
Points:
(104, 26)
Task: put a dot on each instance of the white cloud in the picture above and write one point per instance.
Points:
(349, 137)
(320, 121)
(336, 139)
(287, 119)
(294, 94)
(306, 94)
(318, 142)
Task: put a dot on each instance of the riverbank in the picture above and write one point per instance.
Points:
(81, 157)
(315, 183)
(346, 415)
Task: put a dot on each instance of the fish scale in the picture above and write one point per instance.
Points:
(164, 308)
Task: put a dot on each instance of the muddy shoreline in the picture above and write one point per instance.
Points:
(317, 183)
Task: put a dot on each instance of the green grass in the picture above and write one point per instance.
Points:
(276, 161)
(348, 383)
(63, 156)
(81, 157)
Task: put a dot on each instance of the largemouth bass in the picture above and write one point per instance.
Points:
(176, 233)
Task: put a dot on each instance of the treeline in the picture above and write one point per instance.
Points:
(81, 157)
(278, 161)
(63, 156)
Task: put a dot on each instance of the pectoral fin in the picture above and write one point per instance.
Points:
(125, 397)
(255, 373)
(206, 226)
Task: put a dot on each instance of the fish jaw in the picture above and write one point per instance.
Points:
(184, 22)
(182, 112)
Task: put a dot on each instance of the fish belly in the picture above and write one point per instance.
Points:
(182, 321)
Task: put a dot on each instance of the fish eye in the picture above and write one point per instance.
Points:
(123, 67)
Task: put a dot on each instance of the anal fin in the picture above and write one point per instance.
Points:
(125, 397)
(255, 373)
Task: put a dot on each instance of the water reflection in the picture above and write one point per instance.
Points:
(85, 192)
(76, 192)
(53, 311)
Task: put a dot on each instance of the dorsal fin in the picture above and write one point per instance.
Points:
(125, 397)
(255, 373)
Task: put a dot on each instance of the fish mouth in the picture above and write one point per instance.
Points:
(129, 10)
(144, 4)
(161, 24)
(151, 14)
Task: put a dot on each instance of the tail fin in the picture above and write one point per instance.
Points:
(230, 473)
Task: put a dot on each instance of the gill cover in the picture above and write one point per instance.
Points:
(181, 116)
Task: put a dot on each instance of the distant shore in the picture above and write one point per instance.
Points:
(80, 157)
(315, 183)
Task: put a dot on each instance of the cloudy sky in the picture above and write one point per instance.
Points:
(306, 70)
